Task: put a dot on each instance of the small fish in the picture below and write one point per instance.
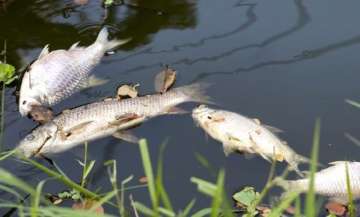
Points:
(241, 134)
(101, 119)
(56, 75)
(330, 182)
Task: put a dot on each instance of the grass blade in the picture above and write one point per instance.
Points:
(351, 207)
(310, 197)
(203, 212)
(284, 204)
(187, 209)
(149, 174)
(218, 196)
(143, 209)
(65, 180)
(353, 103)
(160, 189)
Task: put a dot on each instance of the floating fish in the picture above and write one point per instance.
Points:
(330, 182)
(101, 119)
(56, 75)
(241, 134)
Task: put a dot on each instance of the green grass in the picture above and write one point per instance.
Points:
(310, 209)
(161, 204)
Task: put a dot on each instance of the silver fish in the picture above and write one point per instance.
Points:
(101, 119)
(241, 134)
(330, 182)
(56, 75)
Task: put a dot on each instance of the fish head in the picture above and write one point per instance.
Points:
(211, 120)
(28, 95)
(38, 140)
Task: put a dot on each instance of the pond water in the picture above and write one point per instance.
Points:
(283, 62)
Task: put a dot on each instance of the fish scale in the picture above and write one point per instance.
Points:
(57, 75)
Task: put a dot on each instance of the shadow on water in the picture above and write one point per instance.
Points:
(31, 24)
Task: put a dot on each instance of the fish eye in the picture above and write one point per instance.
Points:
(24, 102)
(30, 137)
(209, 117)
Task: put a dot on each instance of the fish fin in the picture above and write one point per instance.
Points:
(74, 46)
(257, 121)
(121, 119)
(94, 81)
(195, 92)
(75, 129)
(44, 51)
(281, 182)
(126, 136)
(176, 110)
(102, 39)
(338, 162)
(265, 157)
(273, 129)
(227, 149)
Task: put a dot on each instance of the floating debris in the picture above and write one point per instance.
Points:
(89, 205)
(56, 75)
(105, 118)
(165, 79)
(245, 135)
(127, 91)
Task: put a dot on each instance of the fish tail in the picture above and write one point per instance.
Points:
(281, 182)
(295, 161)
(196, 92)
(108, 44)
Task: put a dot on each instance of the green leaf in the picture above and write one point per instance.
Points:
(7, 73)
(143, 209)
(246, 196)
(205, 187)
(108, 3)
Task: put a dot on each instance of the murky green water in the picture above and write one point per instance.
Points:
(284, 62)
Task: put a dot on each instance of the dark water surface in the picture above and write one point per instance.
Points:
(284, 62)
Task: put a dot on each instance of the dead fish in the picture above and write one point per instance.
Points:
(241, 134)
(330, 182)
(101, 119)
(58, 74)
(41, 114)
(165, 80)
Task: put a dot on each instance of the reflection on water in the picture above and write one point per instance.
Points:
(48, 22)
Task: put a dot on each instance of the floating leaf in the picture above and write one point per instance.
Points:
(7, 73)
(246, 196)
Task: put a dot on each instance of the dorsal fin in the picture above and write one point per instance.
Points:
(273, 129)
(74, 46)
(44, 52)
